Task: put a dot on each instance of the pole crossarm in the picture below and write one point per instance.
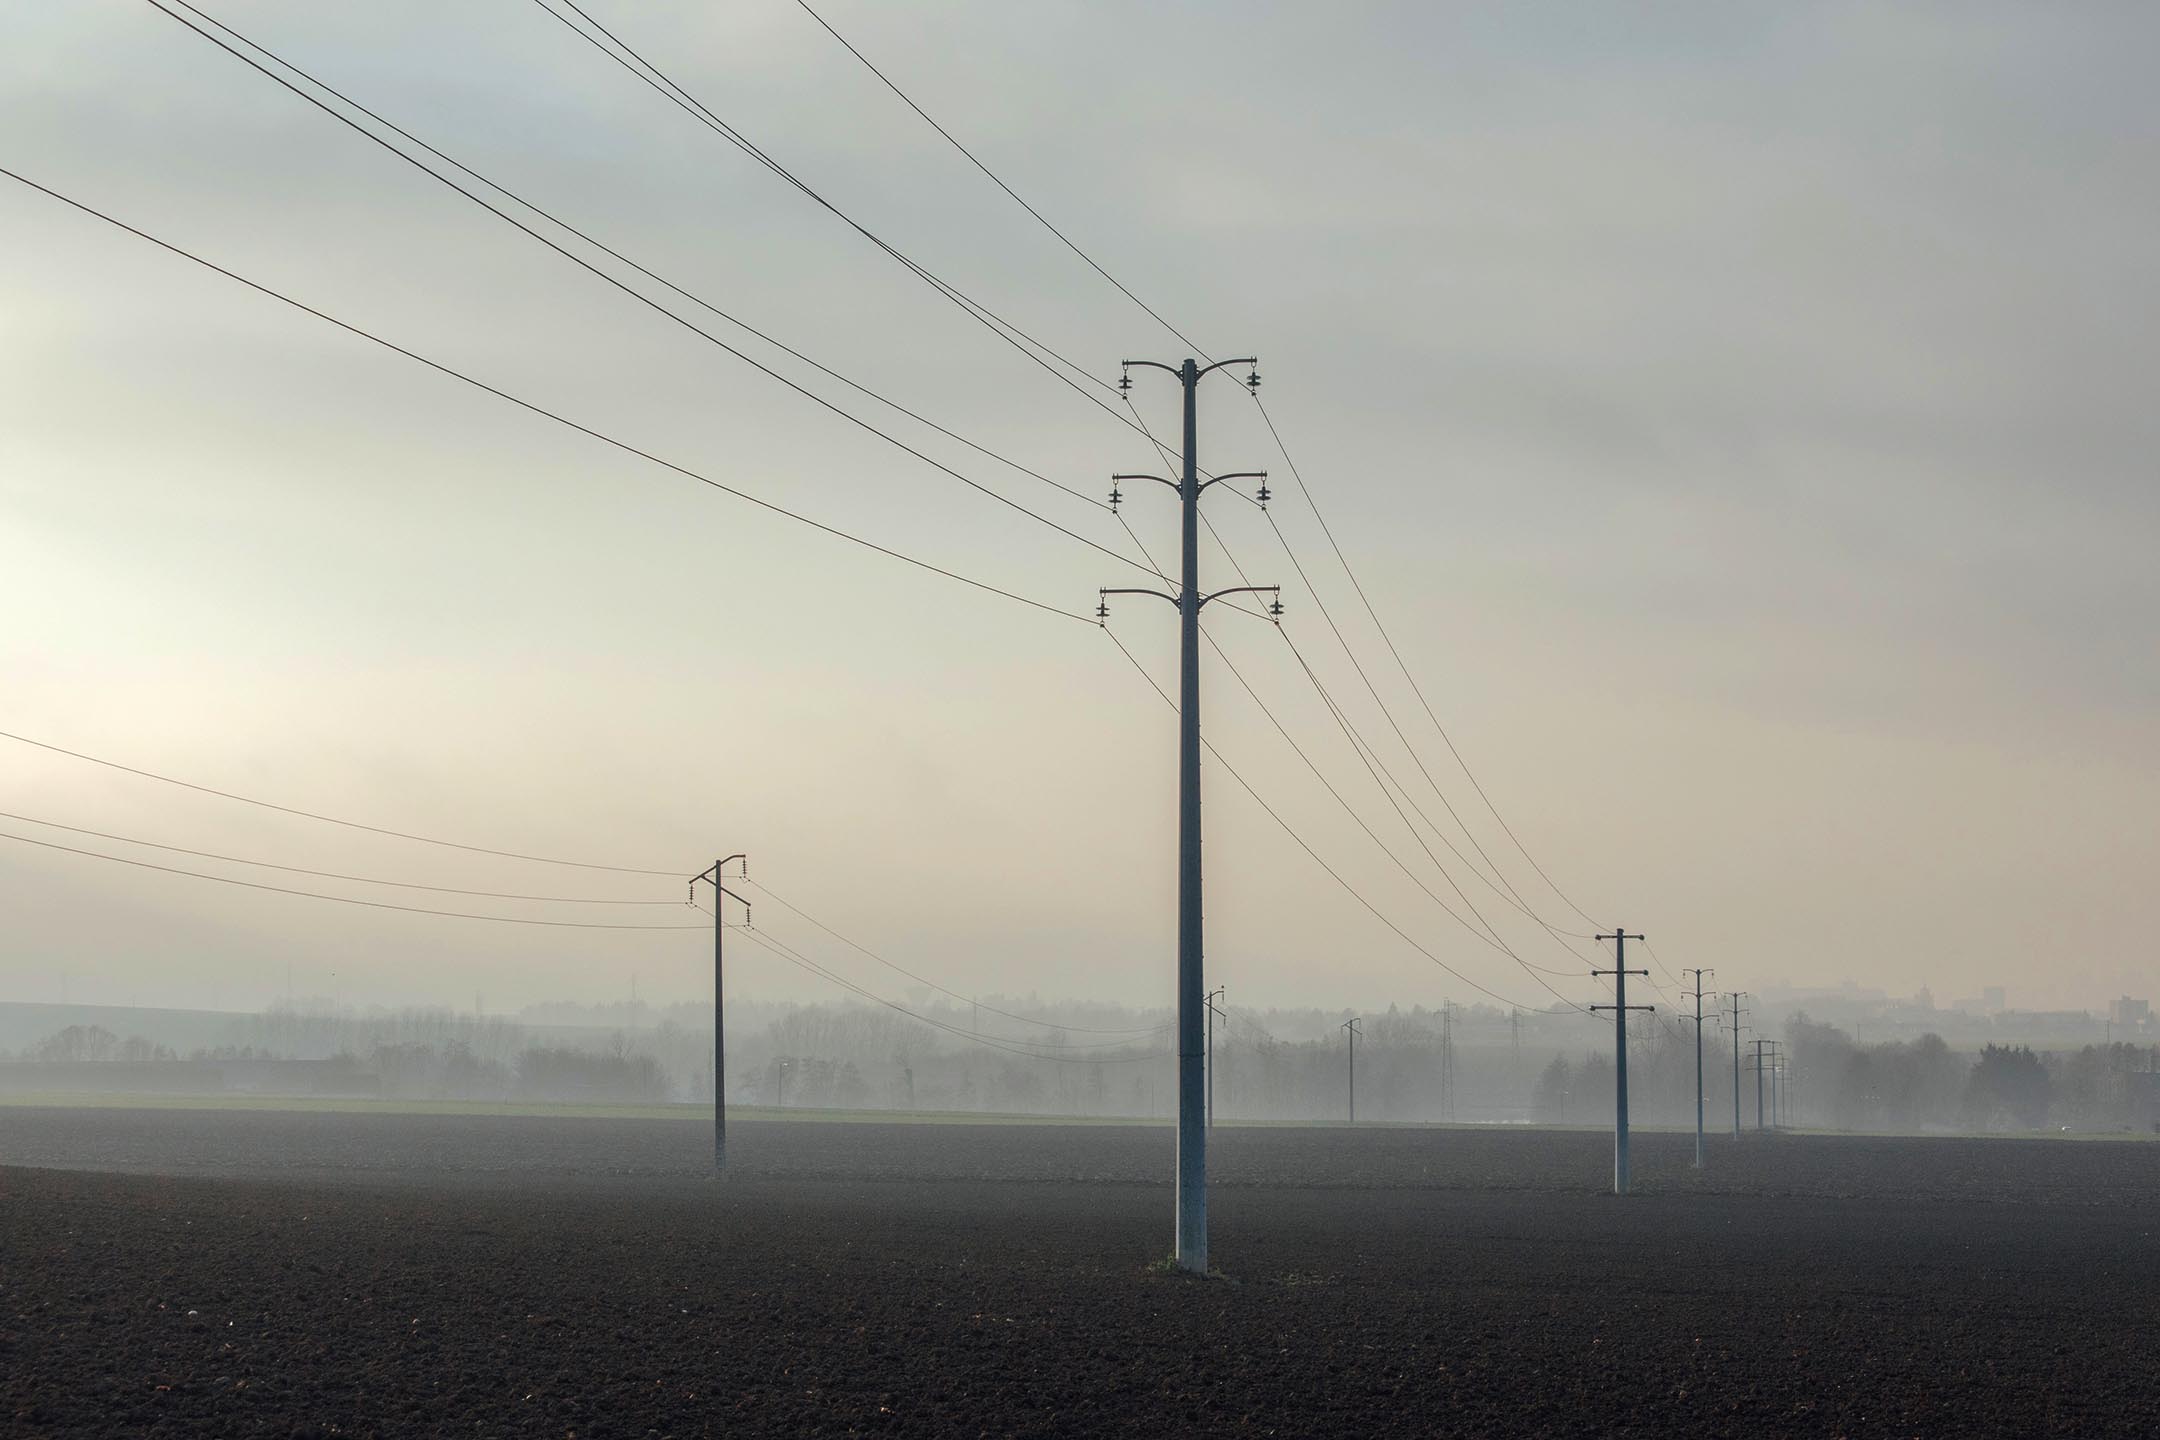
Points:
(1158, 479)
(1179, 370)
(1274, 610)
(1175, 487)
(1101, 610)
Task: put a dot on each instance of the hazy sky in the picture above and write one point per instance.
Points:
(1739, 414)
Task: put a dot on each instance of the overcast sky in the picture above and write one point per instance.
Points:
(1739, 415)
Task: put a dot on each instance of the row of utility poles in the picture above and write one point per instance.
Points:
(1197, 1009)
(1772, 1085)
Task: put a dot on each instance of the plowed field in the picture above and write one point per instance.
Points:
(233, 1273)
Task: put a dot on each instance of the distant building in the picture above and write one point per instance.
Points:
(1991, 999)
(2130, 1013)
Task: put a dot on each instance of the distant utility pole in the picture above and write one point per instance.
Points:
(1777, 1072)
(1191, 985)
(721, 895)
(1620, 1009)
(1350, 1028)
(1212, 1012)
(1759, 1043)
(1447, 1060)
(1698, 974)
(1736, 1014)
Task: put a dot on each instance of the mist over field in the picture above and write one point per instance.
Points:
(814, 718)
(1942, 1073)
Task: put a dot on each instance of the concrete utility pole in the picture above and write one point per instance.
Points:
(721, 895)
(1212, 1012)
(1447, 1060)
(1777, 1071)
(1350, 1028)
(1698, 974)
(1759, 1043)
(1191, 985)
(1620, 1009)
(1736, 1014)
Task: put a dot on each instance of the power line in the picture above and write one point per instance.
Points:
(943, 989)
(650, 274)
(555, 416)
(1386, 713)
(995, 179)
(1484, 938)
(1490, 937)
(1500, 888)
(341, 899)
(314, 815)
(735, 137)
(978, 164)
(992, 1042)
(1332, 873)
(626, 289)
(332, 874)
(1365, 752)
(1416, 689)
(675, 94)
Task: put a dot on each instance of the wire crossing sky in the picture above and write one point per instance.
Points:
(1734, 417)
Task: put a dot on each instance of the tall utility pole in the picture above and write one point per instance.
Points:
(721, 895)
(1736, 1013)
(1620, 1009)
(1698, 974)
(1777, 1073)
(1350, 1028)
(1759, 1043)
(1191, 986)
(1212, 1012)
(1447, 1060)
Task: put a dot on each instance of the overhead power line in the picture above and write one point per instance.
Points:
(542, 411)
(625, 288)
(340, 899)
(555, 219)
(1487, 936)
(976, 161)
(1510, 894)
(945, 990)
(617, 50)
(1365, 600)
(1302, 844)
(992, 1042)
(316, 815)
(332, 874)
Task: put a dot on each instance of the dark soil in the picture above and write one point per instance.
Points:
(392, 1276)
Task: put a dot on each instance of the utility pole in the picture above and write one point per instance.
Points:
(1350, 1028)
(721, 895)
(1736, 1013)
(1620, 1009)
(1698, 974)
(1212, 1012)
(1759, 1043)
(1447, 1060)
(1777, 1072)
(1191, 984)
